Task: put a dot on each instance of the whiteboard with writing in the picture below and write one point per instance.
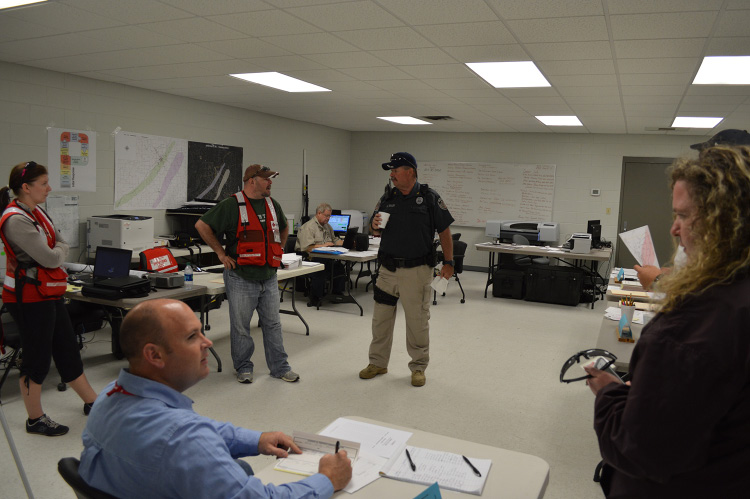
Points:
(477, 192)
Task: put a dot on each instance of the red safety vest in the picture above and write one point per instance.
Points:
(50, 284)
(254, 245)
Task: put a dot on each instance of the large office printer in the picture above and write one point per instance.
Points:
(131, 232)
(535, 232)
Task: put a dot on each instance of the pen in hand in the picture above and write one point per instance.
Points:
(338, 444)
(408, 456)
(476, 471)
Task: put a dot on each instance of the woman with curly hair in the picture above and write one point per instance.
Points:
(682, 427)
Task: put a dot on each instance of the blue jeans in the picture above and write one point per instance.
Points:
(244, 298)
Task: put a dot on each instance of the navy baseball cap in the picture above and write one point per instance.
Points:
(400, 159)
(729, 137)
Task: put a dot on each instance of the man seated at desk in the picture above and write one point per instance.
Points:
(143, 438)
(318, 233)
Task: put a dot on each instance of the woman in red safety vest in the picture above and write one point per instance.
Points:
(33, 288)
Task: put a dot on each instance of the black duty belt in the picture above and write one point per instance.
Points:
(392, 263)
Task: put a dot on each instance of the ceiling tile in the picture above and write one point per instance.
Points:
(285, 63)
(245, 48)
(452, 35)
(130, 11)
(419, 12)
(739, 45)
(265, 23)
(414, 56)
(194, 29)
(656, 79)
(650, 6)
(339, 60)
(310, 43)
(653, 26)
(385, 38)
(488, 53)
(564, 29)
(124, 37)
(375, 74)
(585, 67)
(349, 15)
(533, 9)
(54, 14)
(204, 8)
(643, 49)
(427, 71)
(570, 50)
(660, 65)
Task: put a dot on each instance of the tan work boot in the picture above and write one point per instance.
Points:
(371, 371)
(417, 378)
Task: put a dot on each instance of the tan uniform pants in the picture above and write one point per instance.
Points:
(412, 287)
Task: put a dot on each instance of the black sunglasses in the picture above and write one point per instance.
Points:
(587, 354)
(262, 169)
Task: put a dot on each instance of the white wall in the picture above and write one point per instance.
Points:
(32, 100)
(584, 161)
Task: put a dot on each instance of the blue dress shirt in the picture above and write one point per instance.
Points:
(147, 441)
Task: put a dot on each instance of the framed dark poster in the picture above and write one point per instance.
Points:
(214, 171)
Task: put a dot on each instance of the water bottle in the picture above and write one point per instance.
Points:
(188, 273)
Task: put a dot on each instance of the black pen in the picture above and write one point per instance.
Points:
(408, 456)
(476, 471)
(337, 447)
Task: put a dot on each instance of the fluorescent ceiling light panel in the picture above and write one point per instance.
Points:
(724, 71)
(560, 120)
(7, 4)
(687, 122)
(510, 74)
(280, 81)
(404, 120)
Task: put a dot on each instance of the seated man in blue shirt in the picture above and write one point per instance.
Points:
(143, 438)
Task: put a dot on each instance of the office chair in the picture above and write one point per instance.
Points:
(301, 282)
(456, 236)
(459, 252)
(68, 469)
(522, 260)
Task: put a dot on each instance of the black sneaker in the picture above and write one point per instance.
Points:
(45, 426)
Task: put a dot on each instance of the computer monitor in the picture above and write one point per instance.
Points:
(594, 227)
(340, 223)
(111, 262)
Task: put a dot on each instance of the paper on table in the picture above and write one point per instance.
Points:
(377, 445)
(614, 314)
(449, 470)
(335, 250)
(641, 246)
(313, 448)
(439, 284)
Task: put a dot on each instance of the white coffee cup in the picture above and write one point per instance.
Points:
(383, 219)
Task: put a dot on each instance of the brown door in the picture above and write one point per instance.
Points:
(645, 199)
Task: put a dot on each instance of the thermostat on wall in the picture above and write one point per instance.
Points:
(595, 192)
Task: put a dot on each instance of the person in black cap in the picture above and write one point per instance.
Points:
(730, 137)
(407, 256)
(256, 231)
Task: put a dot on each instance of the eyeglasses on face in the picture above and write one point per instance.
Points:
(586, 354)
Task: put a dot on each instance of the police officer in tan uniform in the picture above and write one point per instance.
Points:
(407, 256)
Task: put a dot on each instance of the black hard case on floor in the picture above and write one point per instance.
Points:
(560, 285)
(508, 283)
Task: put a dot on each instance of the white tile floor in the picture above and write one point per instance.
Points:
(493, 378)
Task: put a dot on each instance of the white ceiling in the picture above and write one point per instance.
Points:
(621, 66)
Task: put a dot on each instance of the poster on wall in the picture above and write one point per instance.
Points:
(64, 213)
(214, 171)
(71, 159)
(150, 171)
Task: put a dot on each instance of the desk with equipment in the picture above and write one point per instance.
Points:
(512, 474)
(349, 258)
(580, 260)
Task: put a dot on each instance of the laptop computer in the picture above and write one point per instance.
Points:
(112, 268)
(349, 238)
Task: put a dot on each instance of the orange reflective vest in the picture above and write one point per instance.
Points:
(49, 284)
(254, 245)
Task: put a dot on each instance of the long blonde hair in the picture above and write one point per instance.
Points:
(718, 183)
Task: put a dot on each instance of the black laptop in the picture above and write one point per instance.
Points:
(112, 268)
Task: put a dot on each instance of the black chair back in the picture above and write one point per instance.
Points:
(291, 242)
(68, 469)
(459, 252)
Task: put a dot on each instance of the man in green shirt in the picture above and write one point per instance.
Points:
(256, 231)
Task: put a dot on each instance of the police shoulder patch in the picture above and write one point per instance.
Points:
(441, 204)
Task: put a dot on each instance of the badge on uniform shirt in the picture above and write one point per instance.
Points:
(420, 200)
(441, 204)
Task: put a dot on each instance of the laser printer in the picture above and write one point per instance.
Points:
(535, 232)
(133, 232)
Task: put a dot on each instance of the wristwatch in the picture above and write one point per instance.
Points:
(656, 279)
(449, 262)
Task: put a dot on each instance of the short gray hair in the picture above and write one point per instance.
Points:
(323, 207)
